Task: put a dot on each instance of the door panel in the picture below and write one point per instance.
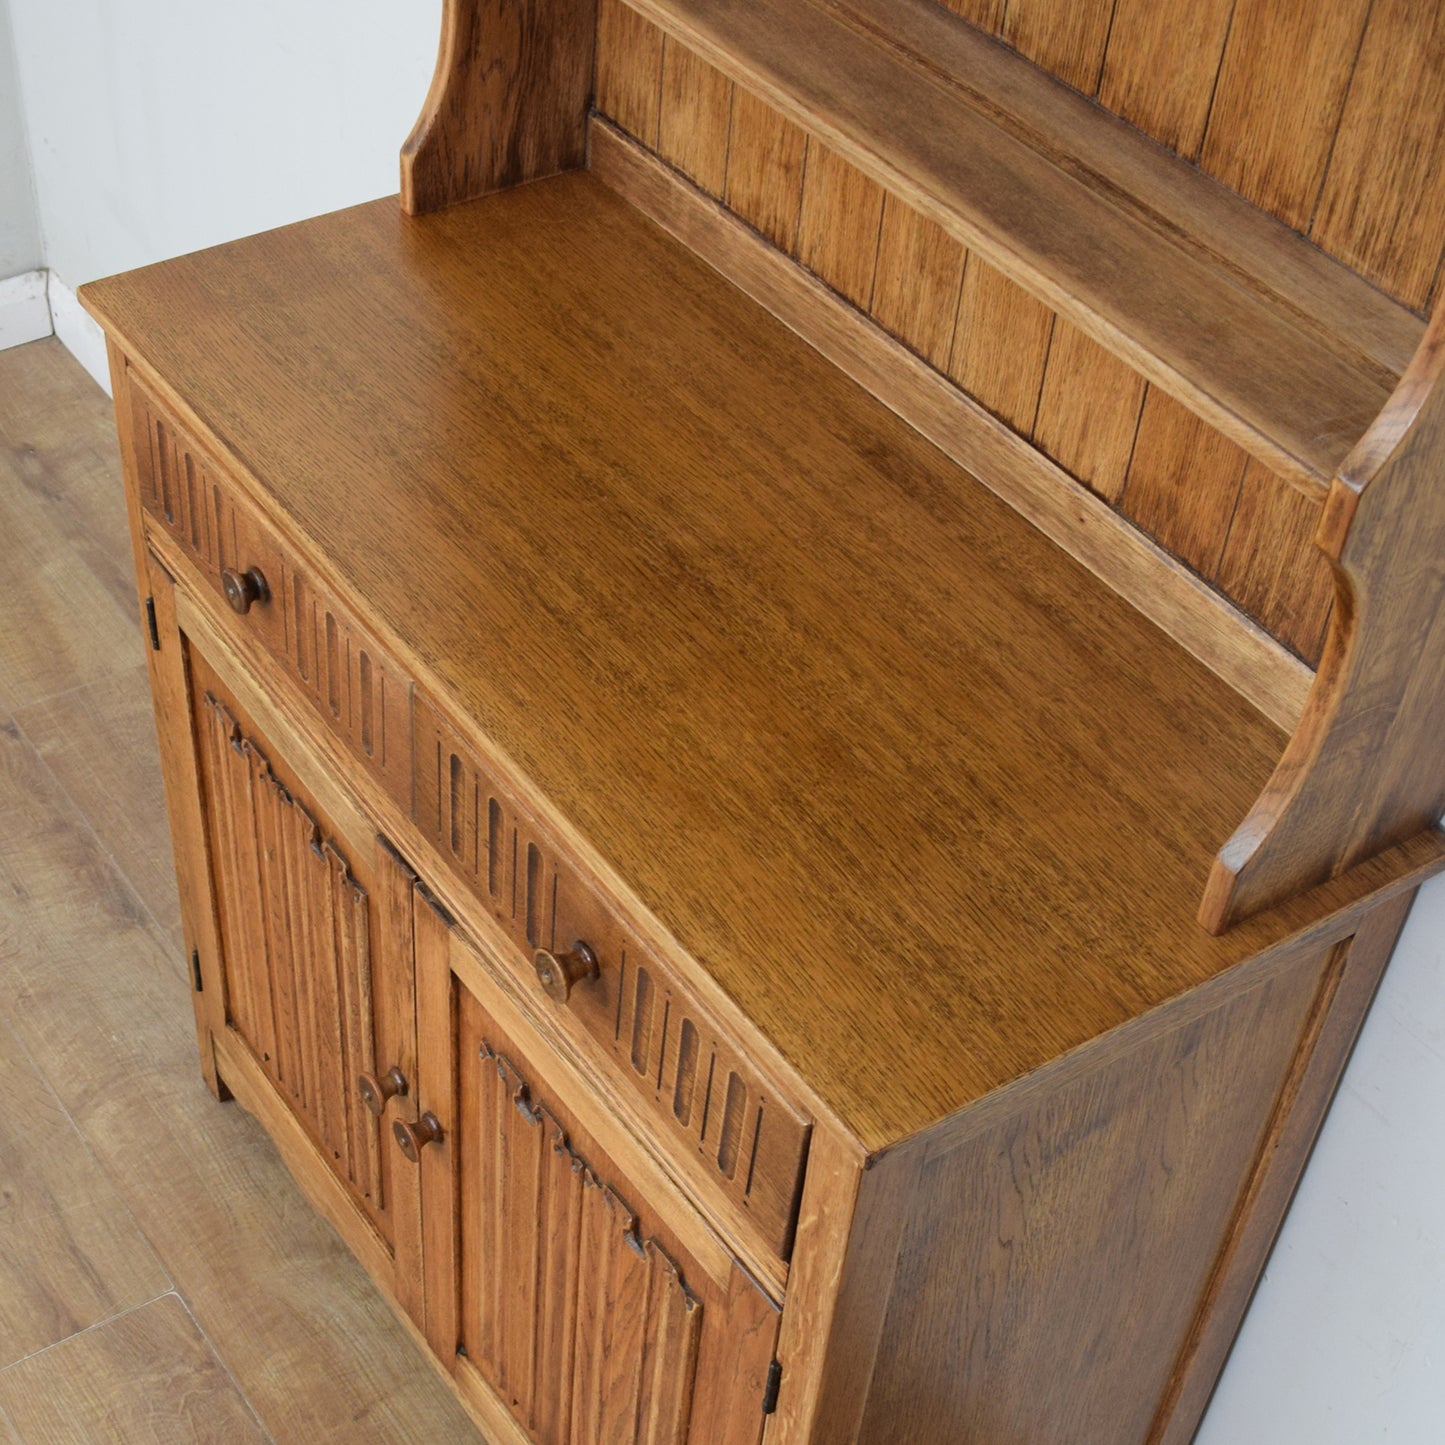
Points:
(316, 967)
(572, 1296)
(562, 1292)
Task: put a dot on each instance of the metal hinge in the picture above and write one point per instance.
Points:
(196, 972)
(151, 624)
(770, 1390)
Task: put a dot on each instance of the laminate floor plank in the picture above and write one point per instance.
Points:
(71, 1255)
(100, 742)
(58, 624)
(148, 1375)
(88, 988)
(57, 444)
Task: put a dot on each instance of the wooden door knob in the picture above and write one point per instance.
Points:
(559, 972)
(413, 1138)
(376, 1091)
(242, 589)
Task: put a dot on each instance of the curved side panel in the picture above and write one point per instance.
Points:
(1366, 765)
(508, 101)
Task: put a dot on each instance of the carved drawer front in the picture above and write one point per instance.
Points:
(354, 687)
(738, 1133)
(311, 967)
(577, 1304)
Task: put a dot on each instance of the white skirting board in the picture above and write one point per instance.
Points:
(37, 303)
(81, 335)
(24, 311)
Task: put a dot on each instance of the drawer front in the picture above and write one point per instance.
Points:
(741, 1136)
(360, 693)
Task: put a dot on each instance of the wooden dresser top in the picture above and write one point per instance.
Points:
(926, 799)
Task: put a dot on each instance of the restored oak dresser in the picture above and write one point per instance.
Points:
(798, 702)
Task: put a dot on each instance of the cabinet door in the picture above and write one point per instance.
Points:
(315, 937)
(588, 1301)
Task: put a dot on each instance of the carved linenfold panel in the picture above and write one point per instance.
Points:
(360, 693)
(583, 1324)
(182, 491)
(349, 678)
(696, 1082)
(296, 936)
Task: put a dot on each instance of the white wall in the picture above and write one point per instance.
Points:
(19, 228)
(159, 126)
(1345, 1341)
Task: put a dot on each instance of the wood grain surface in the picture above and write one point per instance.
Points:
(756, 594)
(146, 1375)
(72, 1254)
(902, 268)
(508, 101)
(1192, 612)
(1365, 768)
(299, 1326)
(1205, 296)
(1326, 116)
(1028, 1244)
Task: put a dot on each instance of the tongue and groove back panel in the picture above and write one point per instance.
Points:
(1231, 519)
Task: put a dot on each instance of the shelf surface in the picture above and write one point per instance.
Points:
(1279, 346)
(928, 801)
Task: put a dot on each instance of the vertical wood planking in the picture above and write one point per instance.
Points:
(670, 1367)
(1000, 344)
(1088, 410)
(590, 1364)
(985, 15)
(1066, 40)
(919, 277)
(1183, 483)
(766, 154)
(522, 1142)
(1382, 210)
(1161, 65)
(626, 1322)
(561, 1223)
(629, 70)
(288, 1069)
(838, 229)
(508, 101)
(1075, 400)
(1271, 565)
(1277, 102)
(695, 118)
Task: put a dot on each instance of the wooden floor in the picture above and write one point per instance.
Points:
(161, 1277)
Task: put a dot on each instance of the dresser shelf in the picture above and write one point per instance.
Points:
(1283, 349)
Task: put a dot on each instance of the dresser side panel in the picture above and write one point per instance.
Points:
(1053, 1264)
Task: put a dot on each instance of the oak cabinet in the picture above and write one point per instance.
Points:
(736, 868)
(587, 1296)
(589, 1299)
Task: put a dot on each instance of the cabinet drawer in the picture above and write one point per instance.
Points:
(722, 1115)
(360, 693)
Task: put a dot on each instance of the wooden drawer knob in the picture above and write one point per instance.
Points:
(376, 1091)
(413, 1138)
(558, 972)
(242, 589)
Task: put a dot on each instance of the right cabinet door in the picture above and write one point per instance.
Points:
(592, 1310)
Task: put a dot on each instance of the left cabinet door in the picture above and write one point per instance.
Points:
(313, 924)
